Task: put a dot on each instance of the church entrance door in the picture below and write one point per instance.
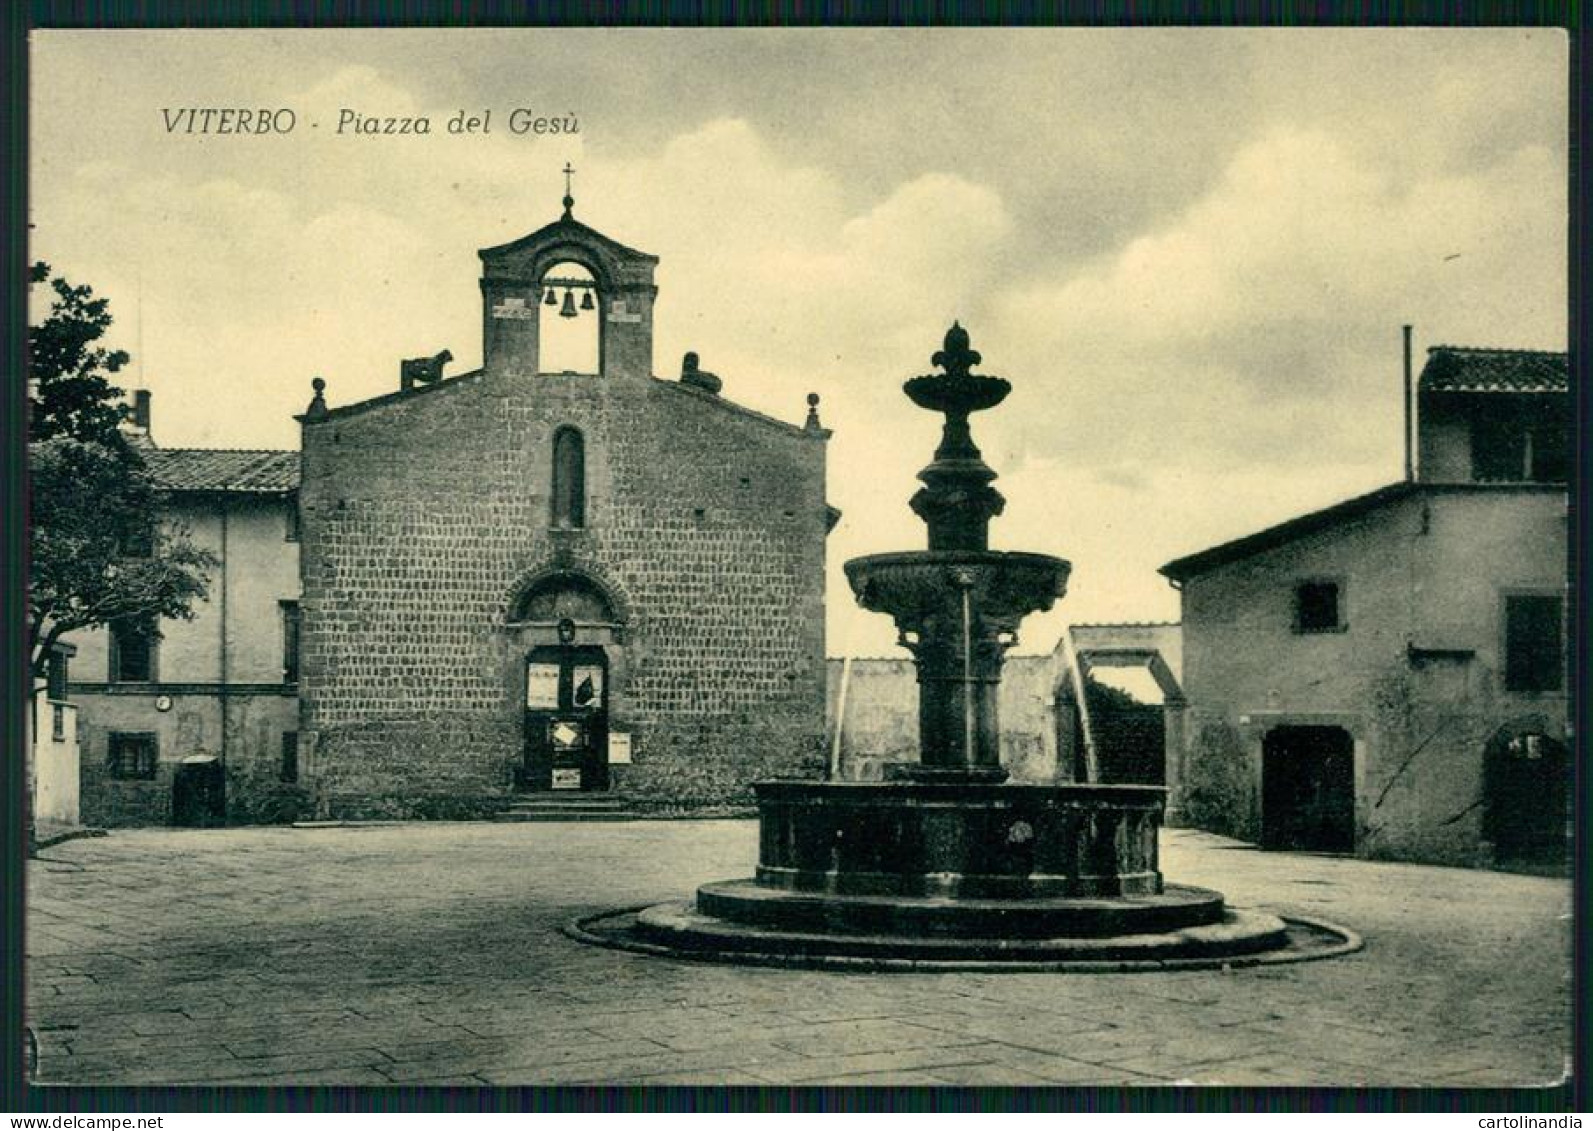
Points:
(566, 718)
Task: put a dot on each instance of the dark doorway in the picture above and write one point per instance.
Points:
(1526, 782)
(199, 793)
(566, 719)
(1308, 789)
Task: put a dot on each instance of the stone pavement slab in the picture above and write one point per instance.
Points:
(430, 953)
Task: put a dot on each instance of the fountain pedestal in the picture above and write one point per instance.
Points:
(945, 862)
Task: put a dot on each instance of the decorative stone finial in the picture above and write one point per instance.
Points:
(317, 408)
(813, 424)
(954, 356)
(569, 196)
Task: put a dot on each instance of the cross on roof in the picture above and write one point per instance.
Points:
(569, 199)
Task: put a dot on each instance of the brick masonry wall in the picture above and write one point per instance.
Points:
(421, 516)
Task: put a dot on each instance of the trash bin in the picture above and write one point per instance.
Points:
(198, 793)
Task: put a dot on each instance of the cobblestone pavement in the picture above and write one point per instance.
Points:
(429, 953)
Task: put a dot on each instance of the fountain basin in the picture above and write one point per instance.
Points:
(914, 585)
(964, 840)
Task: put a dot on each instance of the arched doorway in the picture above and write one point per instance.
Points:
(567, 619)
(566, 718)
(1526, 782)
(1308, 789)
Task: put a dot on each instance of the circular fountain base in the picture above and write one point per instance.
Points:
(1242, 938)
(750, 904)
(680, 927)
(916, 875)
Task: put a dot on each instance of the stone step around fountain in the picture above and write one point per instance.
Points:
(683, 928)
(752, 904)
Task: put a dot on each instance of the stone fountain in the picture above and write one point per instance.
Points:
(945, 862)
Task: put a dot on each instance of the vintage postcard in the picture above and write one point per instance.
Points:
(836, 556)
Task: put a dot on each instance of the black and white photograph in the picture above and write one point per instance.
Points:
(944, 557)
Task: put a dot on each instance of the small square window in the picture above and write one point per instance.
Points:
(132, 756)
(1317, 607)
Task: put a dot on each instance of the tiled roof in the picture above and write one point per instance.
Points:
(220, 469)
(1460, 369)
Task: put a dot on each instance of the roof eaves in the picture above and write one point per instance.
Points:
(394, 397)
(573, 228)
(1192, 565)
(739, 409)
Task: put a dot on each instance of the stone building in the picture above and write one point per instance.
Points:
(1388, 676)
(546, 575)
(482, 587)
(210, 701)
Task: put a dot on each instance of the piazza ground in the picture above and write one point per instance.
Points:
(431, 953)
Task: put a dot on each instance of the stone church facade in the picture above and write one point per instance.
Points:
(517, 581)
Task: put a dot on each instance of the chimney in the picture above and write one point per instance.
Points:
(135, 420)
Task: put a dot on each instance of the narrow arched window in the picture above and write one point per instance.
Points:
(569, 478)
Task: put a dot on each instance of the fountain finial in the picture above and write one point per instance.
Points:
(954, 355)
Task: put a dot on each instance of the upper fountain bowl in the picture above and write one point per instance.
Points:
(914, 584)
(956, 391)
(957, 394)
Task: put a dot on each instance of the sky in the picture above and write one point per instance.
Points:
(1191, 251)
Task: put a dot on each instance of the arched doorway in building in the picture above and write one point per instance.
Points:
(1308, 789)
(1526, 786)
(566, 718)
(567, 623)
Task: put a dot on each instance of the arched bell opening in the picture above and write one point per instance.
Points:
(569, 313)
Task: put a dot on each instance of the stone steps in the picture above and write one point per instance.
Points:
(565, 807)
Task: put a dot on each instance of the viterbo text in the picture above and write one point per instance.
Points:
(228, 120)
(258, 121)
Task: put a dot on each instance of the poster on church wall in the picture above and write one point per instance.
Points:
(566, 734)
(586, 686)
(619, 749)
(542, 687)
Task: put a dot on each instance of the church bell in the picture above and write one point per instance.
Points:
(586, 300)
(551, 299)
(568, 309)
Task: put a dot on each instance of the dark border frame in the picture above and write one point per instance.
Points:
(16, 1095)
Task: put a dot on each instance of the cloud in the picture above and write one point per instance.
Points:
(1261, 324)
(1190, 253)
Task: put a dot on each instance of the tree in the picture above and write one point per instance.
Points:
(98, 552)
(69, 393)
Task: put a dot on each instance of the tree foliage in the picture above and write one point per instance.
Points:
(69, 387)
(98, 552)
